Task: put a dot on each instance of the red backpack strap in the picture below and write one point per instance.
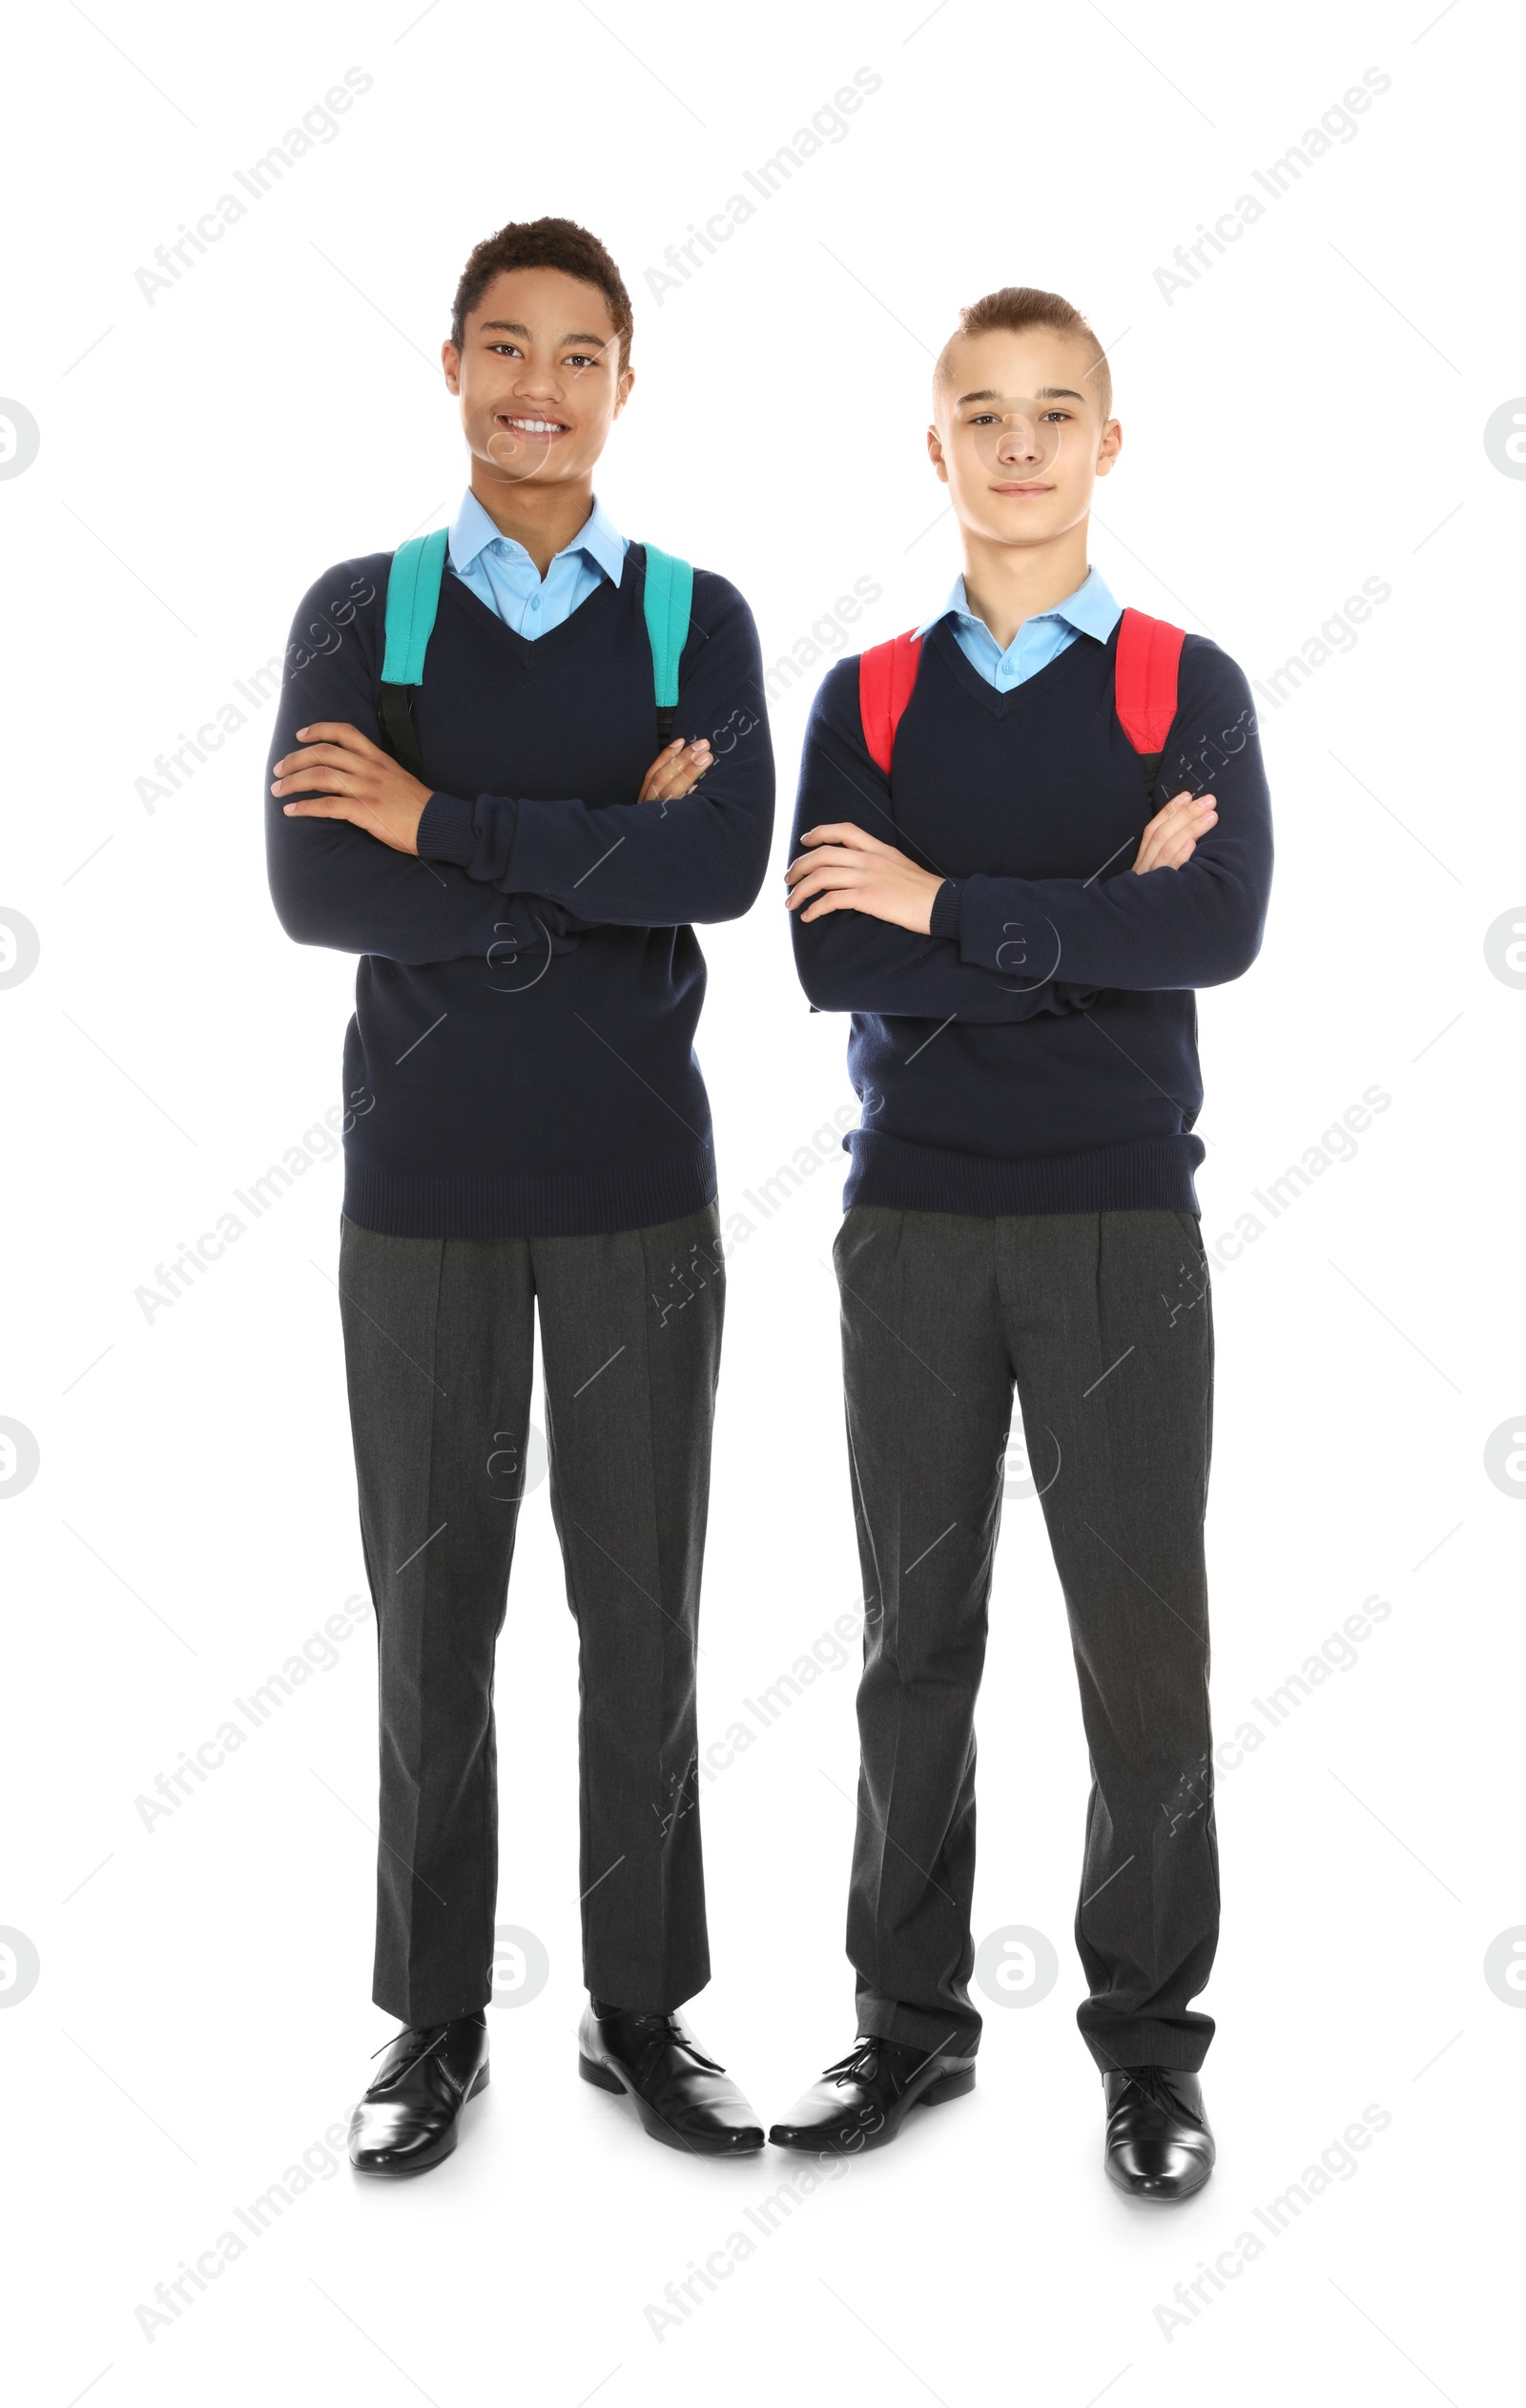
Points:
(886, 675)
(1150, 651)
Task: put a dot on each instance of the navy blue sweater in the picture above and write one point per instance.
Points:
(1037, 1052)
(521, 1061)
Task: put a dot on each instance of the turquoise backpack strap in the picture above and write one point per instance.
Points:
(668, 602)
(413, 597)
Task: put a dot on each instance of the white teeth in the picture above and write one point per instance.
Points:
(536, 425)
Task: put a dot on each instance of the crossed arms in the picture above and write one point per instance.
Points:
(875, 932)
(366, 860)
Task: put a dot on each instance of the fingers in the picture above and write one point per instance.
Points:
(1182, 810)
(339, 731)
(826, 875)
(675, 789)
(833, 902)
(651, 785)
(1182, 806)
(1190, 811)
(844, 832)
(344, 807)
(322, 781)
(308, 755)
(368, 776)
(676, 770)
(325, 766)
(329, 742)
(1167, 853)
(1171, 837)
(834, 857)
(1175, 856)
(674, 775)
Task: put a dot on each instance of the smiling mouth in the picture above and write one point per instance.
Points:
(531, 425)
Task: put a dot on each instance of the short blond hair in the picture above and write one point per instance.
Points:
(1013, 310)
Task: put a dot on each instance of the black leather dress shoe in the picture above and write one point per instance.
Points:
(1159, 2144)
(409, 2118)
(862, 2101)
(682, 2096)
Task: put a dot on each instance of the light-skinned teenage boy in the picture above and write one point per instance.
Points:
(1027, 831)
(475, 787)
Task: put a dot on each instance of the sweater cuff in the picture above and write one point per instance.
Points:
(945, 919)
(446, 830)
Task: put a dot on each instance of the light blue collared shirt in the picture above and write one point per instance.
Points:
(502, 573)
(1090, 610)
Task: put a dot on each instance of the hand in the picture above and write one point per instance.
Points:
(676, 770)
(850, 871)
(1171, 837)
(362, 783)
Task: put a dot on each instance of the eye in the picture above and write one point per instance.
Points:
(985, 418)
(1061, 414)
(511, 350)
(581, 359)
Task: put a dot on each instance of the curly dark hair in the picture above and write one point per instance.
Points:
(544, 242)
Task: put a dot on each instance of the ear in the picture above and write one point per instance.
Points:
(1109, 446)
(935, 453)
(621, 390)
(450, 362)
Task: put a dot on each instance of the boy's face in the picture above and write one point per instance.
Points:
(1018, 435)
(537, 373)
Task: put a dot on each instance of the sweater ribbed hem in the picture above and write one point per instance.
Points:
(945, 917)
(1150, 1175)
(447, 830)
(502, 1205)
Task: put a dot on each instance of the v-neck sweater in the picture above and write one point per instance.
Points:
(1037, 1050)
(521, 1060)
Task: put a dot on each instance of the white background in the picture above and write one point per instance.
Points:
(1309, 413)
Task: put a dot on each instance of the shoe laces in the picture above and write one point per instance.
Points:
(420, 2033)
(664, 2030)
(1153, 2083)
(408, 2058)
(868, 2051)
(858, 2064)
(430, 2036)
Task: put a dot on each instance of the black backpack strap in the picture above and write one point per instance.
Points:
(395, 703)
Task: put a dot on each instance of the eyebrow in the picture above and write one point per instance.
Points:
(1045, 393)
(512, 327)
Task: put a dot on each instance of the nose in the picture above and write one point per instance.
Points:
(1019, 440)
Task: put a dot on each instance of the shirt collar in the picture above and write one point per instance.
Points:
(1091, 609)
(472, 531)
